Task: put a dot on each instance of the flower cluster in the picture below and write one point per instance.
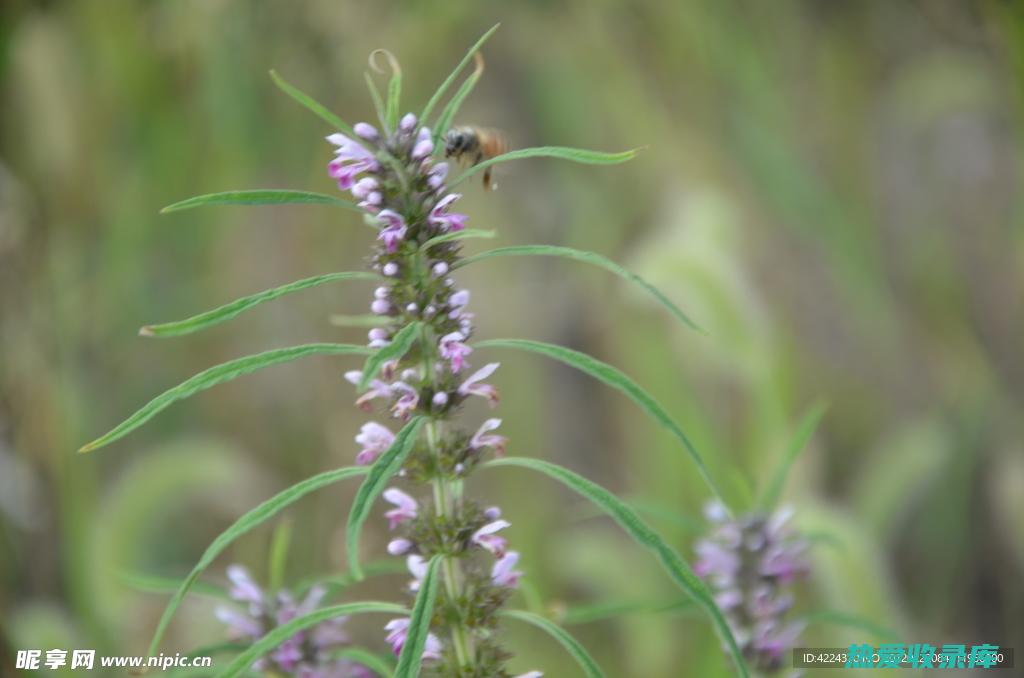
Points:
(402, 189)
(307, 654)
(749, 563)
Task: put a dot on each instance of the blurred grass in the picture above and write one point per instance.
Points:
(832, 189)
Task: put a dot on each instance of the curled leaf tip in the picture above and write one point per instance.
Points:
(392, 61)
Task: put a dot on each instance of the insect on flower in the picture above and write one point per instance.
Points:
(475, 144)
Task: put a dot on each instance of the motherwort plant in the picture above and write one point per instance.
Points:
(421, 364)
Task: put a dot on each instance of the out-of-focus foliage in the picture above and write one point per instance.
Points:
(830, 189)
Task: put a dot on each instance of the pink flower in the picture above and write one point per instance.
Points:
(239, 625)
(243, 587)
(397, 547)
(407, 507)
(483, 438)
(399, 630)
(351, 159)
(406, 402)
(473, 385)
(453, 348)
(531, 674)
(502, 573)
(394, 229)
(418, 569)
(444, 220)
(424, 146)
(375, 439)
(486, 538)
(378, 389)
(366, 131)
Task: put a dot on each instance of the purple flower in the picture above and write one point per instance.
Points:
(239, 625)
(418, 569)
(438, 173)
(483, 438)
(408, 122)
(366, 131)
(407, 401)
(453, 348)
(364, 187)
(398, 631)
(350, 160)
(407, 507)
(378, 389)
(486, 538)
(375, 439)
(399, 546)
(445, 221)
(393, 231)
(503, 574)
(473, 385)
(424, 146)
(531, 674)
(243, 588)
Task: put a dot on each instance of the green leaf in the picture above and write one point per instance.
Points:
(151, 583)
(612, 377)
(444, 121)
(572, 646)
(316, 107)
(382, 666)
(399, 346)
(386, 466)
(587, 258)
(674, 564)
(804, 431)
(454, 74)
(457, 235)
(378, 103)
(282, 633)
(270, 196)
(277, 561)
(419, 624)
(394, 87)
(218, 374)
(229, 311)
(587, 614)
(561, 152)
(849, 621)
(256, 516)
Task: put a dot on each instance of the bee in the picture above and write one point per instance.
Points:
(475, 144)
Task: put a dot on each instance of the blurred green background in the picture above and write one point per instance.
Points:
(832, 189)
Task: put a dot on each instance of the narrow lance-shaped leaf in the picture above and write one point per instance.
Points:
(457, 235)
(411, 658)
(803, 434)
(150, 583)
(218, 374)
(436, 98)
(386, 466)
(269, 196)
(444, 121)
(587, 258)
(378, 103)
(230, 310)
(313, 105)
(674, 564)
(277, 561)
(571, 645)
(400, 344)
(612, 377)
(256, 516)
(561, 152)
(394, 87)
(282, 633)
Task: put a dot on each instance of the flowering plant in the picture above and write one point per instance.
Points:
(421, 365)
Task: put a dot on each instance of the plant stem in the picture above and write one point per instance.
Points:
(445, 504)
